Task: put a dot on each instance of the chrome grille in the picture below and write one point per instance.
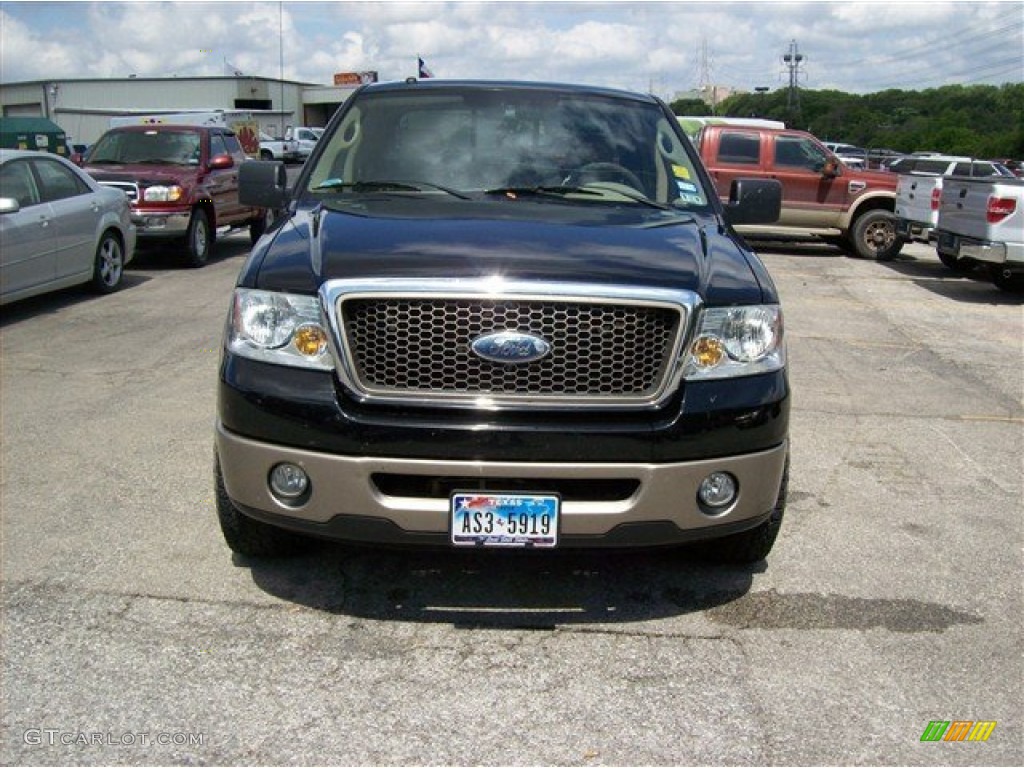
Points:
(130, 189)
(605, 351)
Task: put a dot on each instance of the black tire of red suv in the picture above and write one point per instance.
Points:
(198, 238)
(873, 235)
(754, 545)
(251, 537)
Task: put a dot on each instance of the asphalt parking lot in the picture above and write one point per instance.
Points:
(892, 599)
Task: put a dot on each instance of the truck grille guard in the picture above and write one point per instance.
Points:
(411, 342)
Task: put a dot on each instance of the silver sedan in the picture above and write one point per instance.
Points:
(58, 227)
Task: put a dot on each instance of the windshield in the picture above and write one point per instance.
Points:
(150, 146)
(504, 141)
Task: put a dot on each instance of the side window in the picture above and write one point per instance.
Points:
(17, 181)
(234, 146)
(57, 181)
(744, 148)
(798, 152)
(217, 145)
(962, 169)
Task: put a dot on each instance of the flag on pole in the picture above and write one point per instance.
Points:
(424, 72)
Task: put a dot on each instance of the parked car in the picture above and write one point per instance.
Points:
(948, 165)
(277, 149)
(981, 220)
(182, 181)
(879, 158)
(919, 190)
(1016, 167)
(304, 138)
(59, 227)
(852, 156)
(849, 207)
(504, 315)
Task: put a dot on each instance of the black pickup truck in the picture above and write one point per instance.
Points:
(503, 315)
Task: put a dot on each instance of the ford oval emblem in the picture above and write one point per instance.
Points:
(510, 347)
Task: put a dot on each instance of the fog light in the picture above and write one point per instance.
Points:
(717, 490)
(289, 481)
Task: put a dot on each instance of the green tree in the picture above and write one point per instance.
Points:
(974, 120)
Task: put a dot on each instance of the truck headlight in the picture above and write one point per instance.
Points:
(162, 194)
(281, 328)
(736, 341)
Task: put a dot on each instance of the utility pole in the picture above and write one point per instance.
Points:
(792, 61)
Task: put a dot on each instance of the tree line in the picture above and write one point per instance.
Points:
(984, 121)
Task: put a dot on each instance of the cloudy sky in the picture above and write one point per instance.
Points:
(664, 47)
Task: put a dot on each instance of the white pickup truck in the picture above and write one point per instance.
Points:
(278, 149)
(982, 221)
(919, 188)
(304, 137)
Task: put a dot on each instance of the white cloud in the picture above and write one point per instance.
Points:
(854, 46)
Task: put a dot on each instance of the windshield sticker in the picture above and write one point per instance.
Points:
(686, 186)
(680, 172)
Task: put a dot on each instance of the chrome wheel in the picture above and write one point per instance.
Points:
(108, 267)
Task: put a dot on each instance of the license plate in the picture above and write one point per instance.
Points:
(504, 519)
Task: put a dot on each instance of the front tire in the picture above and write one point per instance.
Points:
(198, 239)
(873, 236)
(108, 266)
(251, 537)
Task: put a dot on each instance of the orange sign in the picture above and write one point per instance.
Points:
(354, 78)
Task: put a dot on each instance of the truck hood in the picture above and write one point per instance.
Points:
(144, 174)
(521, 240)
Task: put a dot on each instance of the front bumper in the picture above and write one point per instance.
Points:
(385, 475)
(359, 497)
(156, 224)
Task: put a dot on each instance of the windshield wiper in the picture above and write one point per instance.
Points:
(386, 186)
(561, 190)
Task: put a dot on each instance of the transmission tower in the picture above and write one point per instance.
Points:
(792, 60)
(706, 88)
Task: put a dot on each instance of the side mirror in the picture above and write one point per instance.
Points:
(219, 162)
(754, 201)
(9, 205)
(263, 184)
(832, 168)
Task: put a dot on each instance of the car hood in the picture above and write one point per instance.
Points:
(601, 244)
(144, 174)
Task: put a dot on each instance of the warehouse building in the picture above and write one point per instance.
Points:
(83, 107)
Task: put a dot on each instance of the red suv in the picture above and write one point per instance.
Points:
(182, 181)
